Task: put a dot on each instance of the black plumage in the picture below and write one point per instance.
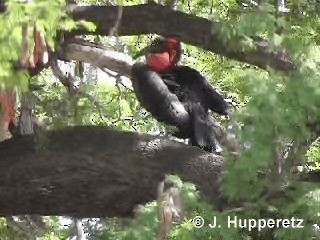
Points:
(181, 97)
(189, 85)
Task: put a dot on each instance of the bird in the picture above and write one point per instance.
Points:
(178, 95)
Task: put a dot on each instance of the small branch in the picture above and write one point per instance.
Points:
(68, 80)
(78, 230)
(65, 79)
(118, 79)
(114, 30)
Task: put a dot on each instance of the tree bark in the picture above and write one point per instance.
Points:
(91, 171)
(96, 172)
(98, 56)
(153, 18)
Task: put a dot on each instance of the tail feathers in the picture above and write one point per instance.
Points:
(203, 129)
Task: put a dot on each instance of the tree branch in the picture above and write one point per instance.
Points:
(78, 172)
(96, 172)
(96, 55)
(153, 18)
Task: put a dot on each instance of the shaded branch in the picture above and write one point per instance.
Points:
(153, 18)
(93, 171)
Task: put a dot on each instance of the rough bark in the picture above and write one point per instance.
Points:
(153, 18)
(98, 56)
(95, 172)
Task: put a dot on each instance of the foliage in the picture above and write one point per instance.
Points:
(271, 118)
(10, 35)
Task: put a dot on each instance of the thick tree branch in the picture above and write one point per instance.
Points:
(153, 18)
(93, 171)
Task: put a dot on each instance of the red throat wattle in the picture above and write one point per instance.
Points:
(164, 61)
(160, 62)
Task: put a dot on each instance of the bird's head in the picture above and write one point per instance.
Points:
(163, 54)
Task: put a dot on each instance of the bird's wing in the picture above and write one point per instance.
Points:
(155, 96)
(199, 89)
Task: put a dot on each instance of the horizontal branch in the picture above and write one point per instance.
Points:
(98, 56)
(153, 18)
(92, 171)
(95, 172)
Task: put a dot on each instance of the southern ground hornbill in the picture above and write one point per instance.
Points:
(178, 95)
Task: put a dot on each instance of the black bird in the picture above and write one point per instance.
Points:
(179, 96)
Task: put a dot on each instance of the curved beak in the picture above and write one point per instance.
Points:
(159, 45)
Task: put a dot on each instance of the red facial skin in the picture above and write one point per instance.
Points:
(167, 59)
(160, 62)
